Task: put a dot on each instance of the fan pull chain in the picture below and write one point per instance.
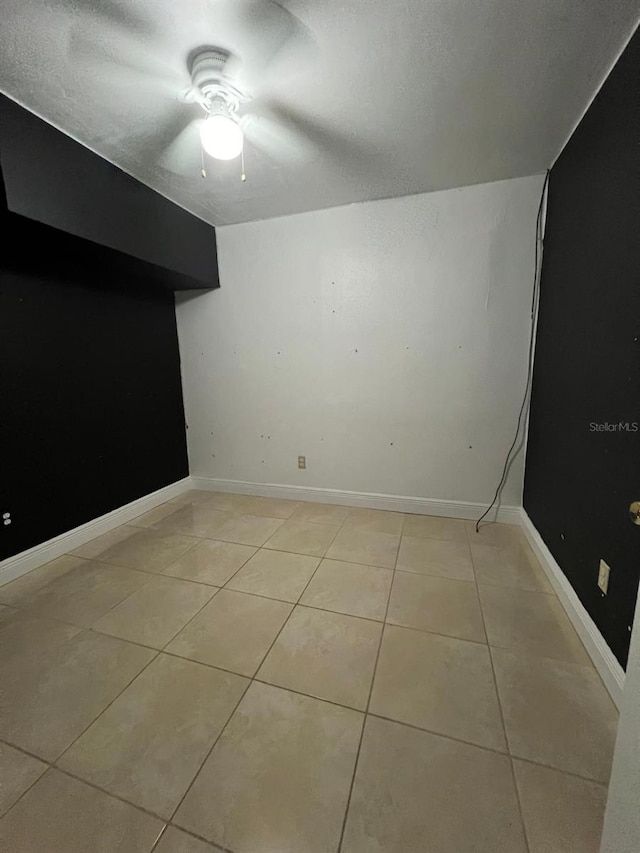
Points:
(243, 177)
(203, 171)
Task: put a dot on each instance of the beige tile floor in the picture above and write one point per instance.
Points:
(260, 676)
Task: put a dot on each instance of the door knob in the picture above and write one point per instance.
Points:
(634, 512)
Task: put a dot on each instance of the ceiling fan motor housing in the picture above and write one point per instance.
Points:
(211, 86)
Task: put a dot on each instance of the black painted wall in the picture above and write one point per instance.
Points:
(51, 178)
(580, 476)
(91, 401)
(90, 390)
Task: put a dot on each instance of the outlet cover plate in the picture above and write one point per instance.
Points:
(603, 576)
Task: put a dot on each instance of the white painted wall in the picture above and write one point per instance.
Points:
(621, 833)
(385, 341)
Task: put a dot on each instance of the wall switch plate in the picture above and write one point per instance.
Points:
(302, 461)
(603, 576)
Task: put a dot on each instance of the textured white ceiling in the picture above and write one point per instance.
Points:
(398, 97)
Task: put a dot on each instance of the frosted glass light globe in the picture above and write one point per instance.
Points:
(221, 137)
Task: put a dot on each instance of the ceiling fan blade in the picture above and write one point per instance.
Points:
(114, 76)
(264, 39)
(117, 57)
(183, 155)
(113, 13)
(279, 142)
(340, 145)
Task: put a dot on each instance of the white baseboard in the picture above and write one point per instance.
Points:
(369, 500)
(604, 660)
(20, 564)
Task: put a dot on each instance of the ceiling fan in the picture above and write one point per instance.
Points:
(228, 78)
(220, 131)
(226, 120)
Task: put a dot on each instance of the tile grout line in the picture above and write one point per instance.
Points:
(117, 604)
(190, 620)
(233, 513)
(35, 782)
(366, 711)
(214, 847)
(298, 603)
(412, 726)
(569, 773)
(308, 695)
(108, 793)
(252, 679)
(135, 531)
(197, 613)
(163, 651)
(36, 611)
(499, 700)
(53, 766)
(115, 698)
(436, 633)
(111, 794)
(208, 753)
(108, 705)
(159, 574)
(292, 604)
(200, 539)
(168, 825)
(216, 589)
(217, 586)
(115, 565)
(160, 651)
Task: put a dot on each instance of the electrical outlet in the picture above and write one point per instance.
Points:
(603, 576)
(302, 461)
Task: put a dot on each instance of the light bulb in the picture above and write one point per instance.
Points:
(221, 137)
